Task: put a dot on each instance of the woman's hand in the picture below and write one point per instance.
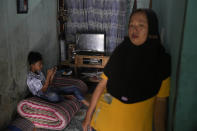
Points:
(95, 97)
(160, 114)
(86, 125)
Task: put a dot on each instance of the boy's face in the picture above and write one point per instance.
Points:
(138, 28)
(37, 66)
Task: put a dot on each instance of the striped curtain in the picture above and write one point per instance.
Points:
(107, 16)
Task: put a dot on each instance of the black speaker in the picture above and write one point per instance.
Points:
(71, 53)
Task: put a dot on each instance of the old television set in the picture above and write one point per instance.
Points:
(90, 43)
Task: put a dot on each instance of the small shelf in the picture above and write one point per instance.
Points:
(87, 62)
(94, 61)
(67, 63)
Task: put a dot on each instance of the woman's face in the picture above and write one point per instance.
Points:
(138, 28)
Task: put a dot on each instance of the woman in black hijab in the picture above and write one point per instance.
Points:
(132, 79)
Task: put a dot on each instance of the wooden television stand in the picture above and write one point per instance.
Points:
(91, 61)
(87, 61)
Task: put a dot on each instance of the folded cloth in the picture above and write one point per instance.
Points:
(43, 114)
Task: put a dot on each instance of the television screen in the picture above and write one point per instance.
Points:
(90, 42)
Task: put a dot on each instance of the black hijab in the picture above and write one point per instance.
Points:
(135, 72)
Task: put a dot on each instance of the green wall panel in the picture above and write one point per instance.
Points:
(186, 106)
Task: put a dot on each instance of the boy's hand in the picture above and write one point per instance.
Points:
(49, 72)
(53, 74)
(54, 69)
(47, 81)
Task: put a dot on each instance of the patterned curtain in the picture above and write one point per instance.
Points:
(107, 16)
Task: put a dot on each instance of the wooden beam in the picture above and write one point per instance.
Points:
(134, 5)
(150, 4)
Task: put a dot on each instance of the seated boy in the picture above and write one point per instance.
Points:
(40, 86)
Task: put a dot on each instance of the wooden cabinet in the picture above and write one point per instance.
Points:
(87, 61)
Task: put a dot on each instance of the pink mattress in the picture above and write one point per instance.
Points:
(42, 114)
